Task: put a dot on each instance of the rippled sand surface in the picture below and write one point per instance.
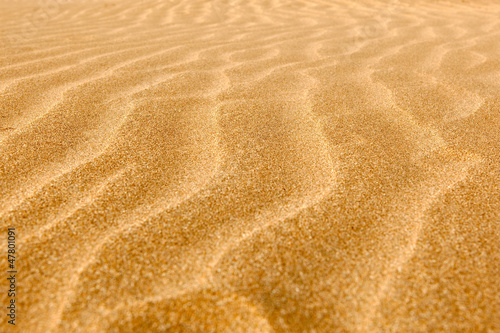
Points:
(252, 166)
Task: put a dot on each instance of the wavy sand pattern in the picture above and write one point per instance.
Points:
(252, 166)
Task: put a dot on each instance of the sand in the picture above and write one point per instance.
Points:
(251, 166)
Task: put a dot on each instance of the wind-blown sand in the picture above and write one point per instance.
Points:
(251, 166)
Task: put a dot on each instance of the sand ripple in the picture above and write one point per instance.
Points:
(259, 166)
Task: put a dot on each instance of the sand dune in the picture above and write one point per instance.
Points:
(252, 166)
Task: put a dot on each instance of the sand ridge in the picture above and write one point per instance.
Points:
(252, 166)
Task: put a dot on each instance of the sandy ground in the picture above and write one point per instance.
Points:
(251, 166)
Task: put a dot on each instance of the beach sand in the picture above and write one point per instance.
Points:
(251, 166)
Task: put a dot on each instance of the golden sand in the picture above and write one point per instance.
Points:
(251, 166)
